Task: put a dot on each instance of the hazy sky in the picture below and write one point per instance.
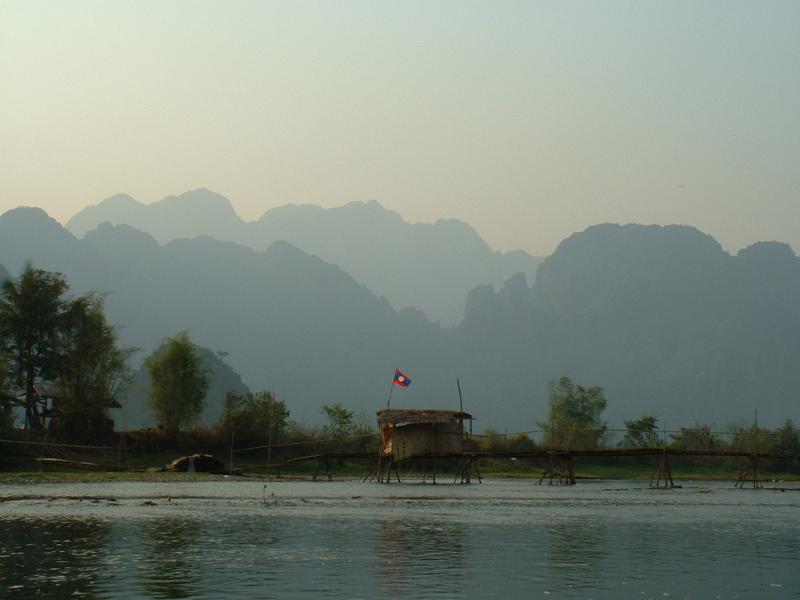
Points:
(530, 120)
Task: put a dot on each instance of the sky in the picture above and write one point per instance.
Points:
(529, 120)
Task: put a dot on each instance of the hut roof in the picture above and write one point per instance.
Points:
(420, 415)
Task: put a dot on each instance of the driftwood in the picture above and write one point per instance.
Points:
(196, 463)
(76, 464)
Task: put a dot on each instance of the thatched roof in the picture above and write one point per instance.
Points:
(420, 415)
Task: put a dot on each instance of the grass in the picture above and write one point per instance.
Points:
(144, 469)
(16, 477)
(642, 472)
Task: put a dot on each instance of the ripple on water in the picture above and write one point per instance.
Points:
(503, 538)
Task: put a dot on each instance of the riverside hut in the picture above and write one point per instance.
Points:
(421, 433)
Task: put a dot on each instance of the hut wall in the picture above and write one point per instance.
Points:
(426, 439)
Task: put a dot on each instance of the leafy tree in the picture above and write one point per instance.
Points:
(787, 438)
(493, 441)
(699, 437)
(30, 317)
(351, 432)
(784, 440)
(641, 433)
(253, 417)
(92, 367)
(574, 416)
(179, 382)
(341, 422)
(746, 438)
(6, 414)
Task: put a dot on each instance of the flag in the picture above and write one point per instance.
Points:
(401, 378)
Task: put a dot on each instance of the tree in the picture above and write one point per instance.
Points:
(788, 438)
(341, 422)
(641, 433)
(92, 367)
(30, 317)
(253, 417)
(574, 416)
(47, 337)
(6, 414)
(179, 382)
(493, 441)
(350, 431)
(699, 437)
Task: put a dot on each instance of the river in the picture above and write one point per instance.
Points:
(347, 539)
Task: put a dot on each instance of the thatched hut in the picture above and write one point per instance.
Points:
(421, 433)
(49, 409)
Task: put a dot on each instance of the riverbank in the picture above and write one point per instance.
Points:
(350, 472)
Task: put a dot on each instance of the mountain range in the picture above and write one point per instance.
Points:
(662, 318)
(427, 266)
(291, 322)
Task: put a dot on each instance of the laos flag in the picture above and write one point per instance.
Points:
(401, 378)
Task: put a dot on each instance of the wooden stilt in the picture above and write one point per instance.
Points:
(559, 465)
(749, 471)
(663, 475)
(549, 469)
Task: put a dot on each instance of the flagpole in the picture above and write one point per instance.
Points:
(391, 389)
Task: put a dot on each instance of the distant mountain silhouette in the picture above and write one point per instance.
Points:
(662, 318)
(137, 414)
(191, 214)
(427, 266)
(30, 235)
(292, 323)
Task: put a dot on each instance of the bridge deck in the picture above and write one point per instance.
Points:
(597, 453)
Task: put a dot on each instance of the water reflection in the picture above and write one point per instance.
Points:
(171, 567)
(51, 559)
(514, 541)
(202, 557)
(575, 551)
(406, 548)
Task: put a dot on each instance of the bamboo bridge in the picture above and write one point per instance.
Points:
(559, 467)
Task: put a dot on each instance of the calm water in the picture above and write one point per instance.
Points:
(234, 539)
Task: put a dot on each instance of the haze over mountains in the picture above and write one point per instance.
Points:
(137, 414)
(427, 266)
(291, 322)
(662, 318)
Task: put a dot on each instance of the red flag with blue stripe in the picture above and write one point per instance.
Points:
(401, 378)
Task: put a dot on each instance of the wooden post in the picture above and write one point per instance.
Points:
(269, 442)
(230, 460)
(477, 472)
(663, 471)
(756, 483)
(125, 450)
(435, 449)
(391, 389)
(44, 445)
